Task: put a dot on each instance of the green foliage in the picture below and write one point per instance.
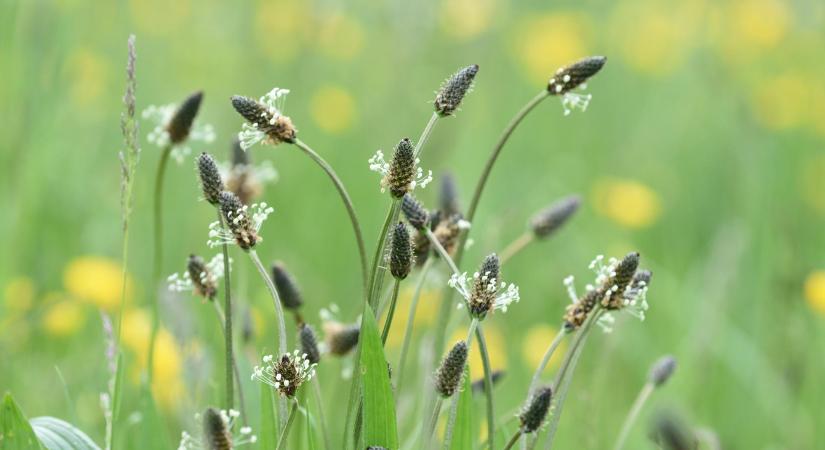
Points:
(379, 404)
(15, 431)
(268, 431)
(463, 429)
(56, 434)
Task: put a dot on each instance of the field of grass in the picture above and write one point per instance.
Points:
(703, 148)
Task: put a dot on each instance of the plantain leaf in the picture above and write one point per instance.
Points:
(463, 428)
(56, 434)
(15, 431)
(379, 405)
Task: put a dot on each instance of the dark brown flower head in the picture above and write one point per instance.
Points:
(421, 248)
(286, 286)
(672, 433)
(416, 215)
(449, 373)
(216, 435)
(548, 220)
(210, 176)
(268, 120)
(237, 219)
(340, 339)
(662, 370)
(181, 122)
(535, 412)
(448, 198)
(309, 344)
(496, 377)
(622, 276)
(448, 231)
(238, 156)
(485, 287)
(641, 279)
(402, 170)
(400, 252)
(569, 77)
(576, 313)
(287, 373)
(243, 182)
(454, 89)
(203, 281)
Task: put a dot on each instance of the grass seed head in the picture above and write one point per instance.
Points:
(216, 435)
(662, 370)
(415, 213)
(535, 412)
(548, 220)
(210, 176)
(448, 195)
(571, 76)
(286, 286)
(401, 252)
(277, 128)
(449, 373)
(309, 344)
(238, 221)
(181, 122)
(452, 92)
(203, 280)
(402, 169)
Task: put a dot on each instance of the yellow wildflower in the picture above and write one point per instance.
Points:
(340, 37)
(782, 102)
(96, 280)
(64, 318)
(652, 39)
(466, 19)
(627, 202)
(545, 43)
(333, 109)
(535, 343)
(18, 295)
(815, 290)
(425, 314)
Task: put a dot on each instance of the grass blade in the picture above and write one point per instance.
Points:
(56, 434)
(15, 431)
(379, 404)
(463, 428)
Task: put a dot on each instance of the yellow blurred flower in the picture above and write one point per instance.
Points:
(64, 318)
(747, 28)
(333, 109)
(627, 202)
(425, 313)
(545, 43)
(96, 280)
(815, 290)
(167, 385)
(782, 102)
(280, 28)
(816, 118)
(535, 344)
(466, 19)
(652, 39)
(495, 348)
(813, 183)
(88, 74)
(159, 17)
(18, 295)
(340, 36)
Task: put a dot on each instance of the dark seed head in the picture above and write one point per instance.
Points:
(402, 169)
(421, 247)
(286, 286)
(238, 220)
(211, 182)
(496, 377)
(641, 279)
(625, 271)
(278, 128)
(181, 122)
(416, 215)
(448, 376)
(485, 287)
(448, 231)
(672, 433)
(547, 221)
(533, 415)
(340, 339)
(569, 77)
(238, 155)
(448, 198)
(662, 370)
(400, 252)
(216, 435)
(576, 313)
(309, 344)
(202, 279)
(454, 89)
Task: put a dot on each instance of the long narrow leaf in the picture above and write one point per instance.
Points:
(56, 434)
(463, 428)
(379, 405)
(15, 431)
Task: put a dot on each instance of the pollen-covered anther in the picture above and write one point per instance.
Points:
(243, 222)
(485, 292)
(622, 274)
(403, 173)
(567, 78)
(266, 121)
(287, 373)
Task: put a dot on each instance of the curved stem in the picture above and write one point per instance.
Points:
(279, 312)
(405, 346)
(516, 246)
(488, 386)
(289, 421)
(158, 255)
(227, 306)
(441, 251)
(379, 251)
(425, 135)
(356, 226)
(241, 402)
(429, 431)
(388, 321)
(513, 439)
(546, 359)
(644, 394)
(321, 417)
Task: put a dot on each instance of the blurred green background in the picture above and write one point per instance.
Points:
(702, 148)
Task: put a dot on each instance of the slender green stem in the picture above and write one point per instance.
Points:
(235, 371)
(488, 386)
(448, 432)
(561, 384)
(342, 191)
(644, 394)
(546, 359)
(425, 135)
(385, 300)
(514, 439)
(441, 251)
(405, 346)
(321, 416)
(391, 313)
(288, 425)
(428, 432)
(158, 255)
(279, 312)
(516, 246)
(379, 252)
(227, 306)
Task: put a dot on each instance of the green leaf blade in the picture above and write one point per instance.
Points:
(56, 434)
(15, 431)
(380, 428)
(463, 428)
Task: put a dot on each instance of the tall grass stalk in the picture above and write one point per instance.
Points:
(157, 239)
(233, 366)
(516, 246)
(229, 360)
(316, 385)
(288, 426)
(391, 313)
(640, 401)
